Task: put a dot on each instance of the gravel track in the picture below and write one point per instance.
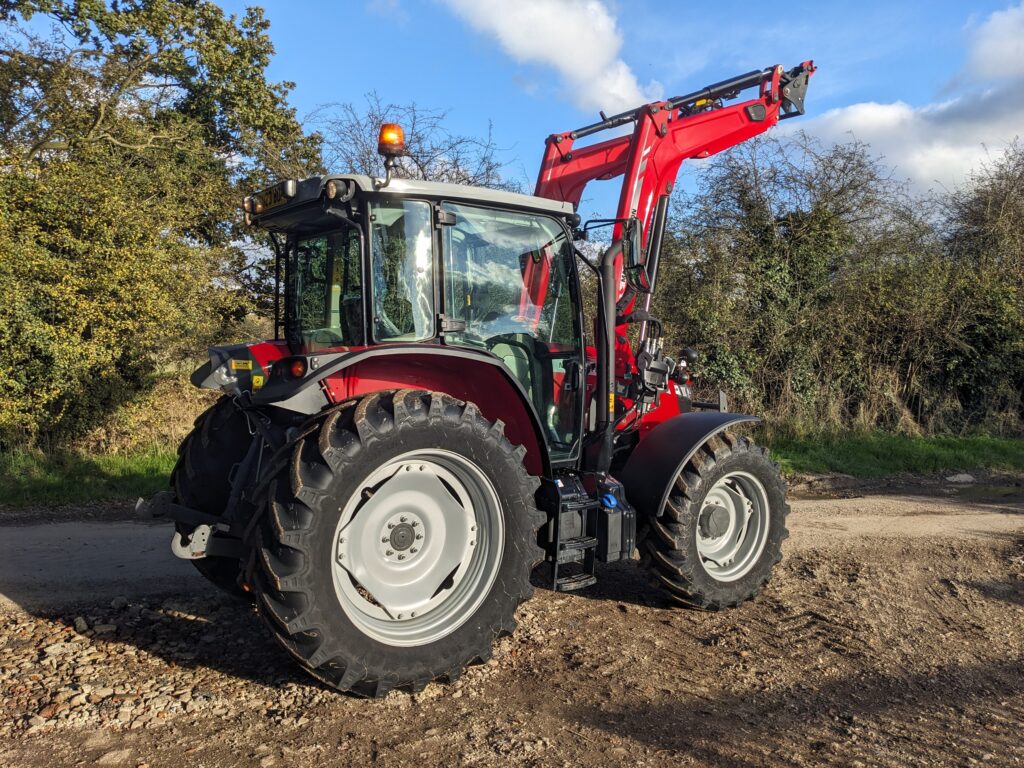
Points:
(892, 634)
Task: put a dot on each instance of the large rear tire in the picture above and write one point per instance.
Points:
(720, 534)
(202, 477)
(397, 542)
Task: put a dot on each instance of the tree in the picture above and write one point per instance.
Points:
(984, 236)
(127, 130)
(433, 153)
(819, 289)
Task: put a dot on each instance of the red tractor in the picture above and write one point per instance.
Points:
(429, 422)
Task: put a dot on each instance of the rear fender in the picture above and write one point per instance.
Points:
(652, 467)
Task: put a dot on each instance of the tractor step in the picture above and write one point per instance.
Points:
(572, 583)
(572, 533)
(574, 549)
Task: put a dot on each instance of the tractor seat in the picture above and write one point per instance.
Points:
(517, 361)
(528, 360)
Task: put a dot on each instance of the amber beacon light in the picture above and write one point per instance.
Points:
(391, 141)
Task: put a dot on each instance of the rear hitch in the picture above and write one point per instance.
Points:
(201, 542)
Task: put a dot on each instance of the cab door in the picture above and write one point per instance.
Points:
(510, 278)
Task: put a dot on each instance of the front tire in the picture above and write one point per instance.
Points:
(720, 534)
(397, 543)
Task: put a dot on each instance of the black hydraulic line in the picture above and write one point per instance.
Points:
(724, 88)
(612, 122)
(719, 90)
(606, 361)
(654, 243)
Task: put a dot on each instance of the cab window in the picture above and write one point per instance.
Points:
(327, 273)
(402, 268)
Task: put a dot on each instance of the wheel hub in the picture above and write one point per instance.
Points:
(715, 522)
(402, 536)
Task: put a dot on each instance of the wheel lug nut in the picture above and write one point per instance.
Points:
(391, 525)
(414, 523)
(403, 518)
(414, 550)
(384, 540)
(389, 553)
(401, 557)
(419, 536)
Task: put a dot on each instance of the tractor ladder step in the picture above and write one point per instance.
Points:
(572, 535)
(572, 583)
(573, 550)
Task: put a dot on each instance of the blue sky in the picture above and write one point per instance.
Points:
(933, 86)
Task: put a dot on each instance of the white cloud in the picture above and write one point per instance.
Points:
(998, 45)
(941, 143)
(579, 38)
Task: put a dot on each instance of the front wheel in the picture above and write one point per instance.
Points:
(398, 542)
(720, 533)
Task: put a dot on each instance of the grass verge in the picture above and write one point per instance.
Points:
(33, 478)
(878, 455)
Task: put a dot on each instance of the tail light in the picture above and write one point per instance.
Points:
(291, 368)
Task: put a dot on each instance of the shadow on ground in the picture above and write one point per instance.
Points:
(871, 718)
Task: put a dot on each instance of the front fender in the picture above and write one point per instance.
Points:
(652, 467)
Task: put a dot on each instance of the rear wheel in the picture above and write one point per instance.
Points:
(720, 533)
(201, 477)
(398, 542)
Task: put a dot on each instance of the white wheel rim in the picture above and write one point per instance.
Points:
(417, 547)
(732, 527)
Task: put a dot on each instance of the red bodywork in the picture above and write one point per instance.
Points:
(467, 379)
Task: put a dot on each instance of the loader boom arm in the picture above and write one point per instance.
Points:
(665, 133)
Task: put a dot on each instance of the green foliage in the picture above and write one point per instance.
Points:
(126, 134)
(31, 477)
(878, 455)
(826, 297)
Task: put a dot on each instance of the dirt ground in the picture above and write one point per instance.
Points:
(892, 634)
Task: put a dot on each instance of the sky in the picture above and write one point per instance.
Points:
(935, 87)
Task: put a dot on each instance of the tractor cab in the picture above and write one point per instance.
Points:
(365, 265)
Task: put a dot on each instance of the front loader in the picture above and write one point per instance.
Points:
(434, 418)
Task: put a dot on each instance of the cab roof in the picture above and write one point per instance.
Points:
(457, 192)
(301, 210)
